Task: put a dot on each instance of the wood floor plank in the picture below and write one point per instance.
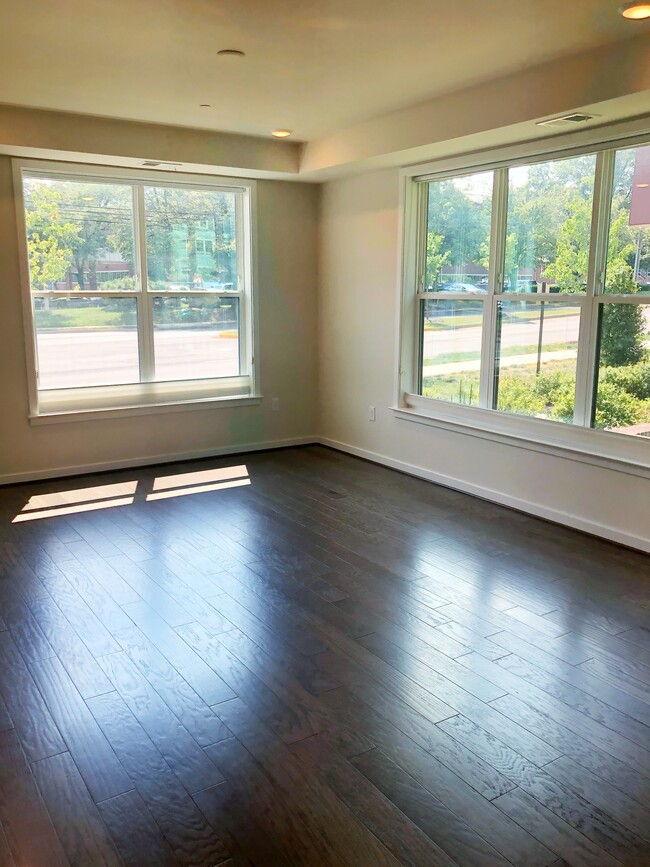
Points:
(624, 776)
(24, 629)
(297, 665)
(553, 831)
(568, 716)
(249, 801)
(191, 667)
(183, 593)
(251, 796)
(407, 842)
(405, 629)
(439, 823)
(26, 823)
(273, 615)
(192, 712)
(513, 842)
(181, 752)
(97, 763)
(78, 661)
(138, 838)
(149, 591)
(530, 746)
(564, 802)
(38, 733)
(286, 722)
(603, 795)
(81, 616)
(609, 713)
(571, 674)
(191, 838)
(336, 664)
(76, 819)
(489, 623)
(342, 837)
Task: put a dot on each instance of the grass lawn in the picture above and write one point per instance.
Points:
(510, 350)
(81, 317)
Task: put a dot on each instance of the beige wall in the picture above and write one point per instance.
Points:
(357, 314)
(287, 256)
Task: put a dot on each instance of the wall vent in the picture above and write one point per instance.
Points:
(152, 164)
(567, 119)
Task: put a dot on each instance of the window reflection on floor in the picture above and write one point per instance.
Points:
(61, 503)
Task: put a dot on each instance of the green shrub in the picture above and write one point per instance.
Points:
(634, 379)
(615, 407)
(520, 396)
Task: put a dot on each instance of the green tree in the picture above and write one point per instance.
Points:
(102, 214)
(436, 258)
(175, 220)
(570, 263)
(623, 326)
(50, 236)
(460, 216)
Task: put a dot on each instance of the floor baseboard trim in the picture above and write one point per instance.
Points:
(557, 517)
(152, 460)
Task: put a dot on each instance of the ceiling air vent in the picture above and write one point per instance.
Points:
(567, 120)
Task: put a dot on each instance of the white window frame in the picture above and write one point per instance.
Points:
(577, 441)
(146, 396)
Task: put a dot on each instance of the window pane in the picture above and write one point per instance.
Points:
(623, 390)
(79, 236)
(191, 239)
(536, 357)
(196, 337)
(451, 349)
(85, 341)
(549, 226)
(458, 234)
(628, 251)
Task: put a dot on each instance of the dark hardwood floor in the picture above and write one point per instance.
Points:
(299, 658)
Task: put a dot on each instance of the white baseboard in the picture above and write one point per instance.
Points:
(555, 515)
(170, 458)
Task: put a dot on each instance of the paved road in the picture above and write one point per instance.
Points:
(84, 358)
(557, 329)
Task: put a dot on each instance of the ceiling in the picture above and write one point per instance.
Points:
(313, 66)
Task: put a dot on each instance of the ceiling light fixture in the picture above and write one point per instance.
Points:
(636, 11)
(281, 133)
(231, 52)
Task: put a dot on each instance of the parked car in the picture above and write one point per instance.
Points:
(460, 288)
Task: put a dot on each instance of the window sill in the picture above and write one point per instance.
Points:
(100, 413)
(619, 452)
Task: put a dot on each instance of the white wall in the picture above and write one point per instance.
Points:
(287, 258)
(357, 336)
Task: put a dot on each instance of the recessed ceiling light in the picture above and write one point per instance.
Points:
(643, 186)
(637, 10)
(281, 133)
(231, 52)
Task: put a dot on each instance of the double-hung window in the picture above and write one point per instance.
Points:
(526, 293)
(138, 288)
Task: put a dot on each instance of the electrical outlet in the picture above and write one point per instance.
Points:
(371, 413)
(275, 404)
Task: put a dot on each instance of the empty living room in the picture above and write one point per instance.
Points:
(325, 433)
